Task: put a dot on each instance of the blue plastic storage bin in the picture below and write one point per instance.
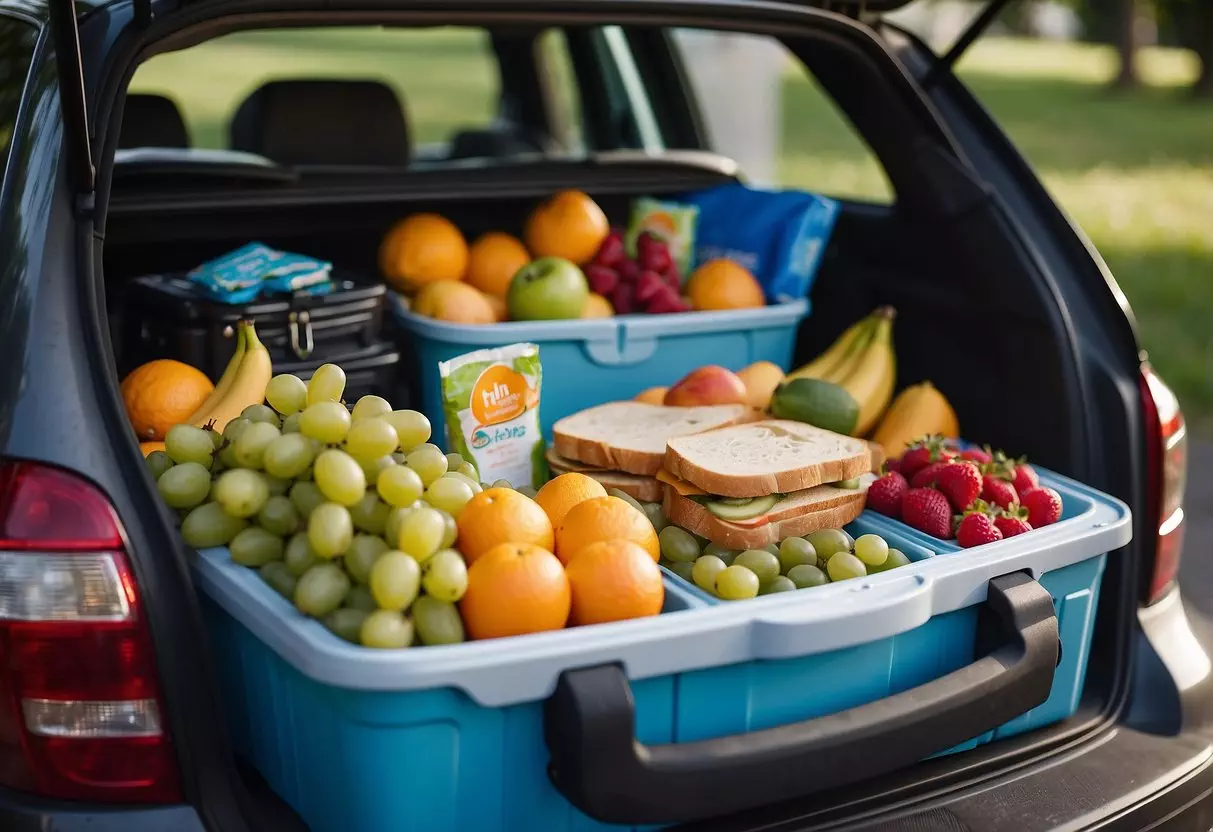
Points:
(591, 361)
(453, 738)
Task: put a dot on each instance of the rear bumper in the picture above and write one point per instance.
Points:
(22, 813)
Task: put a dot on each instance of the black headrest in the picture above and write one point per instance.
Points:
(152, 121)
(323, 122)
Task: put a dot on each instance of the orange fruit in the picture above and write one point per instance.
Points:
(163, 393)
(560, 494)
(596, 306)
(653, 395)
(613, 580)
(454, 301)
(497, 304)
(420, 249)
(515, 588)
(502, 515)
(724, 284)
(147, 448)
(493, 260)
(569, 225)
(603, 518)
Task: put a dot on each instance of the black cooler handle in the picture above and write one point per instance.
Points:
(597, 763)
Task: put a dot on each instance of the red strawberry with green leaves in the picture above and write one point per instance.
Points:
(1024, 477)
(981, 457)
(922, 452)
(928, 511)
(977, 528)
(960, 482)
(927, 477)
(1043, 505)
(998, 491)
(1012, 521)
(886, 493)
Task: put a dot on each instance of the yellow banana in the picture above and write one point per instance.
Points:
(225, 382)
(248, 385)
(919, 410)
(847, 345)
(857, 355)
(871, 381)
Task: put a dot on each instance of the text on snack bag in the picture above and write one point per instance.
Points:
(499, 395)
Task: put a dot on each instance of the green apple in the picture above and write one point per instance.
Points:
(547, 289)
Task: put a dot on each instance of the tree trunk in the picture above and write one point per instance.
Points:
(1126, 44)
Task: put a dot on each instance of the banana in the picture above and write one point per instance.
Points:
(846, 346)
(225, 382)
(871, 380)
(249, 383)
(857, 354)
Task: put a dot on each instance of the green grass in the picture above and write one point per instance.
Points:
(1134, 171)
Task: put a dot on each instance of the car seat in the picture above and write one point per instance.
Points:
(151, 121)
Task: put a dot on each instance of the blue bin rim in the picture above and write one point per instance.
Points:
(787, 313)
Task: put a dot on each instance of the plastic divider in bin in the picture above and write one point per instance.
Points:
(784, 625)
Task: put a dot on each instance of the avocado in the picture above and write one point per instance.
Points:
(816, 402)
(732, 510)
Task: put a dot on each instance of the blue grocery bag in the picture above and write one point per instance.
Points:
(778, 235)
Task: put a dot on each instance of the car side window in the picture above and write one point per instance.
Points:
(17, 40)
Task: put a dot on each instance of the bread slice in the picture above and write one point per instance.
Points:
(644, 489)
(774, 456)
(820, 507)
(631, 436)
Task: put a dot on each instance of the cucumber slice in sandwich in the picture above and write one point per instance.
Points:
(738, 510)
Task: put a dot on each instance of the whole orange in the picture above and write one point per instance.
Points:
(497, 304)
(613, 580)
(420, 249)
(163, 393)
(603, 518)
(515, 588)
(147, 448)
(724, 284)
(596, 306)
(560, 494)
(501, 515)
(493, 260)
(454, 301)
(569, 225)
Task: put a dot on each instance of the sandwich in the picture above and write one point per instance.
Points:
(748, 485)
(623, 444)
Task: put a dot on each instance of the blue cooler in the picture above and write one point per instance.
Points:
(707, 709)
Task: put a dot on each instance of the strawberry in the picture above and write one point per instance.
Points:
(602, 279)
(622, 299)
(892, 465)
(885, 495)
(666, 300)
(960, 482)
(928, 511)
(928, 475)
(1043, 505)
(672, 278)
(611, 252)
(923, 452)
(998, 491)
(976, 455)
(653, 253)
(628, 270)
(648, 285)
(1013, 521)
(976, 529)
(1024, 478)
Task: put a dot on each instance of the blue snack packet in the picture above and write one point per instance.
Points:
(779, 236)
(242, 275)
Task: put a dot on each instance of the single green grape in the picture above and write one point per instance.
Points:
(368, 407)
(871, 549)
(395, 518)
(158, 462)
(773, 548)
(277, 486)
(421, 533)
(395, 580)
(298, 555)
(400, 486)
(279, 516)
(684, 570)
(449, 495)
(453, 461)
(736, 583)
(261, 413)
(290, 424)
(895, 559)
(843, 566)
(346, 623)
(761, 562)
(185, 485)
(450, 531)
(359, 598)
(250, 447)
(781, 583)
(186, 443)
(437, 622)
(328, 422)
(339, 477)
(330, 529)
(371, 468)
(321, 589)
(241, 492)
(233, 429)
(364, 550)
(627, 498)
(796, 551)
(527, 491)
(215, 436)
(371, 439)
(288, 456)
(656, 516)
(412, 428)
(209, 525)
(286, 393)
(226, 458)
(445, 576)
(326, 385)
(370, 514)
(386, 629)
(726, 555)
(678, 545)
(471, 483)
(468, 470)
(502, 484)
(306, 496)
(279, 578)
(429, 463)
(705, 570)
(850, 541)
(255, 546)
(806, 575)
(827, 542)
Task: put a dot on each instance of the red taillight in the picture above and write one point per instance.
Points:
(1167, 462)
(81, 715)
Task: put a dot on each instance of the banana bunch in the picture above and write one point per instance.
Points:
(243, 381)
(862, 362)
